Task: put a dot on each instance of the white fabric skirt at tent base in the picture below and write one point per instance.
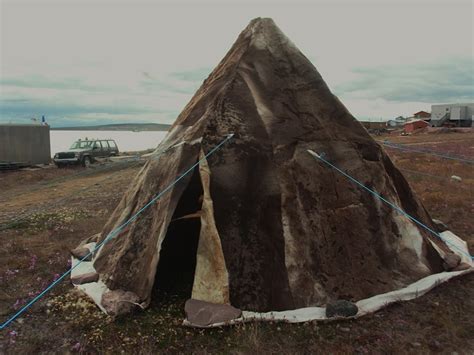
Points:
(95, 291)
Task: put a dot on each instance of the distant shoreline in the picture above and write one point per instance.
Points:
(118, 127)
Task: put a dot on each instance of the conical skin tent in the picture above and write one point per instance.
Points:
(277, 230)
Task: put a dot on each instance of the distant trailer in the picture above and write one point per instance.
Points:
(24, 144)
(452, 115)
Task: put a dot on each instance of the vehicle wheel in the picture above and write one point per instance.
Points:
(86, 162)
(59, 166)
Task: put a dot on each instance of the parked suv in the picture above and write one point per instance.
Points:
(85, 151)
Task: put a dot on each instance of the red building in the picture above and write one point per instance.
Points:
(422, 115)
(414, 125)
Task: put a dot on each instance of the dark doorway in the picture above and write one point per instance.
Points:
(175, 271)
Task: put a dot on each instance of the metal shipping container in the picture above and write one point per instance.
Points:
(28, 144)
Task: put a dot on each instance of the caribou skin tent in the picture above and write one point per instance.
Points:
(262, 229)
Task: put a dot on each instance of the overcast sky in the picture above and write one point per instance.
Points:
(92, 62)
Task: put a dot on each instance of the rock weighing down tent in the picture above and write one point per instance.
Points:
(260, 224)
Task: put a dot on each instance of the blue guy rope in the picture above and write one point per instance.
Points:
(395, 207)
(113, 233)
(426, 151)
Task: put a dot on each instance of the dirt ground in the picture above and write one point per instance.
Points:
(44, 213)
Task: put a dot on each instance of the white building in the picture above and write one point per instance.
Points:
(459, 115)
(397, 122)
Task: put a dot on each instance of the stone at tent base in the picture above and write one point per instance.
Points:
(81, 252)
(85, 278)
(451, 261)
(341, 308)
(119, 302)
(201, 313)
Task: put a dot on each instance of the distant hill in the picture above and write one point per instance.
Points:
(118, 127)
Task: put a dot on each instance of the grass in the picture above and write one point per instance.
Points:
(38, 221)
(67, 322)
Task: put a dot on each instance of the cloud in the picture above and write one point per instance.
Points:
(45, 83)
(195, 75)
(32, 107)
(152, 95)
(181, 82)
(151, 57)
(447, 80)
(146, 96)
